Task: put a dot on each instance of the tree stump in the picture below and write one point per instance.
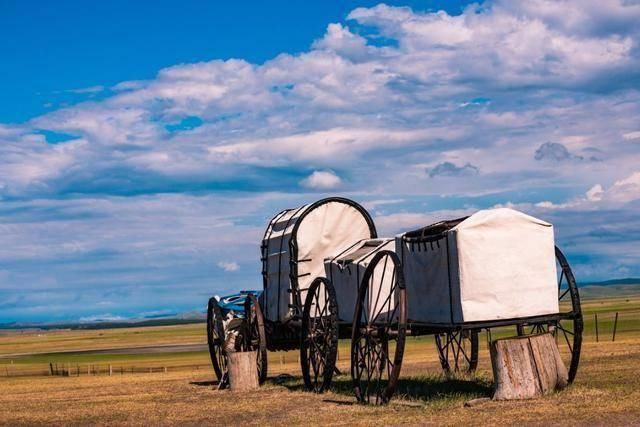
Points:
(526, 367)
(243, 371)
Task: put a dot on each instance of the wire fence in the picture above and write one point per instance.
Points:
(62, 369)
(599, 327)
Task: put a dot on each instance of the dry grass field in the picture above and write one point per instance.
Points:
(606, 391)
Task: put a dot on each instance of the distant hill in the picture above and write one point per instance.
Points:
(604, 289)
(609, 291)
(172, 319)
(99, 325)
(627, 281)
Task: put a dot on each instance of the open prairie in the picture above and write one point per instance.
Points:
(161, 376)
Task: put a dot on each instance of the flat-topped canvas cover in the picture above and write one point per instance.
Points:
(296, 243)
(497, 264)
(346, 268)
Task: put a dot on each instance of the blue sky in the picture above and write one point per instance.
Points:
(55, 53)
(144, 145)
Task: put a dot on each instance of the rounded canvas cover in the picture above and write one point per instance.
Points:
(496, 264)
(295, 245)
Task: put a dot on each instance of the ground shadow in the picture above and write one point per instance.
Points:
(204, 383)
(424, 388)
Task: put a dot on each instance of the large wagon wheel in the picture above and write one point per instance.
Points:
(215, 338)
(458, 351)
(568, 328)
(255, 339)
(319, 345)
(379, 330)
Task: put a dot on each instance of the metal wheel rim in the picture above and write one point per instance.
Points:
(568, 329)
(458, 351)
(371, 357)
(319, 346)
(215, 338)
(255, 339)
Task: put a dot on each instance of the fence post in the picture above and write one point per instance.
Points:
(597, 338)
(51, 368)
(110, 370)
(165, 369)
(615, 327)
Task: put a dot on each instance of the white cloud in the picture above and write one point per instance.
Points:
(391, 224)
(595, 193)
(106, 317)
(624, 190)
(90, 89)
(632, 135)
(322, 180)
(342, 41)
(619, 193)
(347, 99)
(377, 99)
(229, 265)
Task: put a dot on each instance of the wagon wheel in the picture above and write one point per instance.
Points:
(255, 339)
(379, 330)
(215, 338)
(568, 328)
(458, 351)
(319, 345)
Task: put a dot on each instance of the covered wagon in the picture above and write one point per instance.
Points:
(497, 267)
(298, 306)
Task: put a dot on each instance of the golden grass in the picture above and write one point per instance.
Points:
(607, 391)
(21, 342)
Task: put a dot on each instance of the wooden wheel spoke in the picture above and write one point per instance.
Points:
(372, 321)
(378, 316)
(559, 326)
(384, 270)
(566, 337)
(561, 277)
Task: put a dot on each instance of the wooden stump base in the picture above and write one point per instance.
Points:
(526, 367)
(243, 371)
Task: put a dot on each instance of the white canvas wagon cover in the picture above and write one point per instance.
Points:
(346, 269)
(297, 241)
(497, 264)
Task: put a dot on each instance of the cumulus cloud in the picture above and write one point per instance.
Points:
(322, 180)
(106, 317)
(554, 151)
(229, 265)
(632, 135)
(380, 99)
(450, 169)
(624, 190)
(90, 89)
(349, 97)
